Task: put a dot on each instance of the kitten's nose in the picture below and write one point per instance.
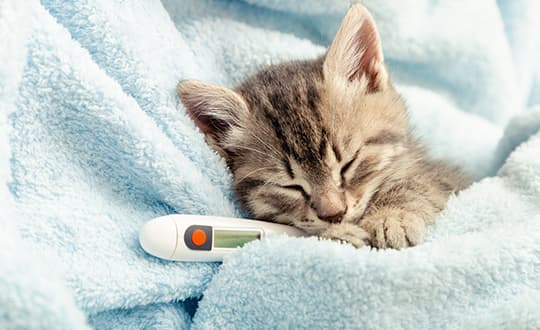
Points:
(330, 206)
(335, 218)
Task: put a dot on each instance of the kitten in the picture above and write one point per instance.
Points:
(325, 144)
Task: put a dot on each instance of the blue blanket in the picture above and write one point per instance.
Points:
(94, 142)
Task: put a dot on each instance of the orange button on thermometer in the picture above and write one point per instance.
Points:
(198, 237)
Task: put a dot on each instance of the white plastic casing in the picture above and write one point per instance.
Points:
(163, 237)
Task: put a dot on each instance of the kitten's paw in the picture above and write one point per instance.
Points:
(394, 228)
(348, 233)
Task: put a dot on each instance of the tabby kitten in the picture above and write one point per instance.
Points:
(325, 144)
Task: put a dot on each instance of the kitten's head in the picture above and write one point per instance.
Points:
(308, 142)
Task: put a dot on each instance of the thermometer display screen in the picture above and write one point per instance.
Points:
(234, 238)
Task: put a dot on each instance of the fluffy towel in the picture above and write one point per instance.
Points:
(94, 142)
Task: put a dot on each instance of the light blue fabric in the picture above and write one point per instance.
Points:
(154, 316)
(94, 142)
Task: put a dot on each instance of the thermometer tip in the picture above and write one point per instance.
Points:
(158, 237)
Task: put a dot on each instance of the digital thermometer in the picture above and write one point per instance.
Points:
(204, 238)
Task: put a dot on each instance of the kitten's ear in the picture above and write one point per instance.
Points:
(356, 53)
(215, 110)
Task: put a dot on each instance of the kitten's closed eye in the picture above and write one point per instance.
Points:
(347, 167)
(297, 187)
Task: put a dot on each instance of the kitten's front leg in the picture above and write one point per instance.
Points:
(347, 232)
(399, 213)
(394, 228)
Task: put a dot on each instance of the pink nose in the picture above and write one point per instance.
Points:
(330, 206)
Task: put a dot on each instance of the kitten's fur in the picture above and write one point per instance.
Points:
(325, 144)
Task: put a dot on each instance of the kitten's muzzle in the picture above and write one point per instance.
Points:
(330, 206)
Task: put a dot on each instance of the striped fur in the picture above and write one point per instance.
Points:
(325, 145)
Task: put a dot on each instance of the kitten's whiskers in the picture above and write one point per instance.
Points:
(257, 170)
(264, 143)
(257, 151)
